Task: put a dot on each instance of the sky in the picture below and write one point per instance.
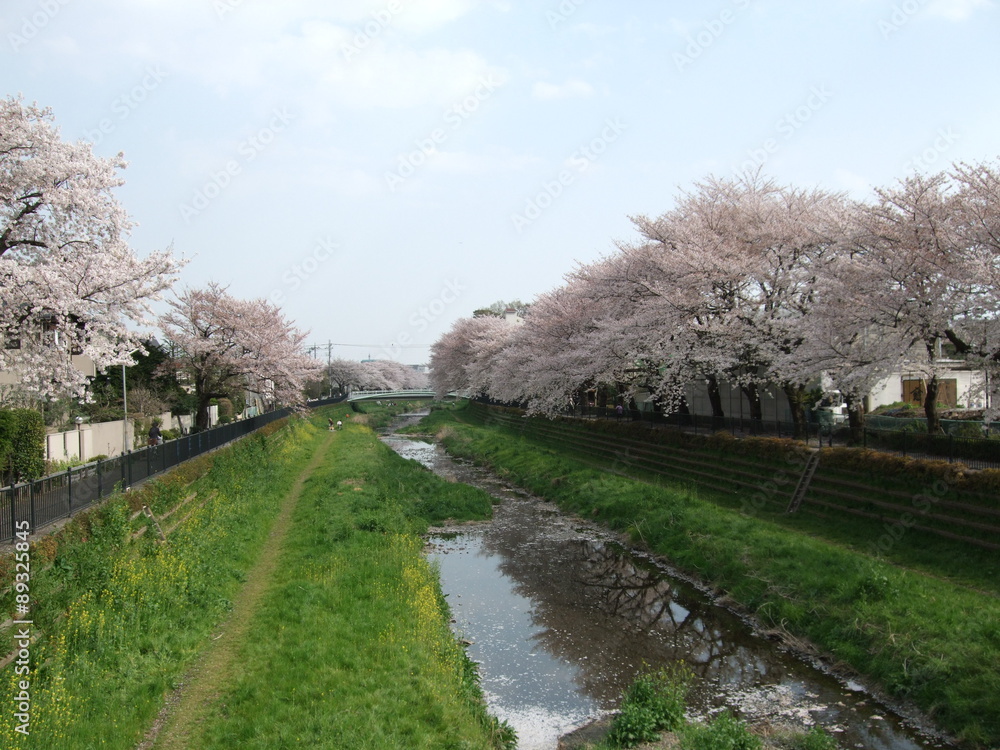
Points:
(381, 168)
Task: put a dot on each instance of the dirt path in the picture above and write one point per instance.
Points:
(192, 702)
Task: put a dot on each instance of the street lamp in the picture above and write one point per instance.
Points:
(125, 407)
(124, 412)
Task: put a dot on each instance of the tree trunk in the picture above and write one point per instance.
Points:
(201, 416)
(602, 396)
(753, 400)
(752, 393)
(714, 396)
(797, 396)
(715, 399)
(856, 419)
(930, 406)
(684, 411)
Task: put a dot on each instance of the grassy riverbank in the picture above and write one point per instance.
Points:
(345, 642)
(378, 416)
(923, 639)
(118, 619)
(351, 646)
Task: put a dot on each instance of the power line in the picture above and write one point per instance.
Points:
(367, 346)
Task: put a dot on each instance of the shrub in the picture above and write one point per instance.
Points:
(651, 704)
(634, 725)
(225, 409)
(57, 467)
(725, 732)
(22, 444)
(815, 739)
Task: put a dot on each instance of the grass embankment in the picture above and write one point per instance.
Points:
(121, 621)
(378, 416)
(889, 492)
(923, 639)
(351, 646)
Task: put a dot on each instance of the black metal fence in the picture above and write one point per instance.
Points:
(968, 517)
(49, 499)
(818, 431)
(974, 452)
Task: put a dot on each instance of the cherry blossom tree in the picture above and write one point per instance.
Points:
(725, 280)
(377, 375)
(69, 282)
(498, 308)
(344, 373)
(460, 358)
(228, 344)
(842, 347)
(388, 375)
(569, 343)
(684, 295)
(764, 286)
(976, 334)
(916, 275)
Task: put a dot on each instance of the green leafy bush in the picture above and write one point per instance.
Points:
(22, 444)
(725, 732)
(634, 725)
(652, 704)
(225, 409)
(815, 739)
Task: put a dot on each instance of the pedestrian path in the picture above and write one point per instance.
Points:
(176, 726)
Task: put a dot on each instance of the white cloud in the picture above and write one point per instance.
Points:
(957, 10)
(572, 88)
(427, 15)
(306, 54)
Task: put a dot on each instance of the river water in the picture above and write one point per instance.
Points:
(562, 617)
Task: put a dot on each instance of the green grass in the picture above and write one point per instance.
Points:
(380, 416)
(924, 639)
(351, 648)
(654, 704)
(964, 564)
(121, 620)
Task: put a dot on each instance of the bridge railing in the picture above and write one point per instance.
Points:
(369, 395)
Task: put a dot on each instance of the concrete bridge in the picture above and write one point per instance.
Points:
(390, 395)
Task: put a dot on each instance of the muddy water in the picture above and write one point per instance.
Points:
(562, 617)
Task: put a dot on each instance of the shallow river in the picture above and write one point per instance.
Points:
(561, 618)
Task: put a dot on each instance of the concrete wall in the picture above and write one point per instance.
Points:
(106, 437)
(970, 387)
(88, 441)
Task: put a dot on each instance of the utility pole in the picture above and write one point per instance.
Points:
(329, 379)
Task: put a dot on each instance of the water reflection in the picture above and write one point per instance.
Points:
(562, 618)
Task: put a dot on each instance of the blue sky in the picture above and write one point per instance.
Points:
(381, 168)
